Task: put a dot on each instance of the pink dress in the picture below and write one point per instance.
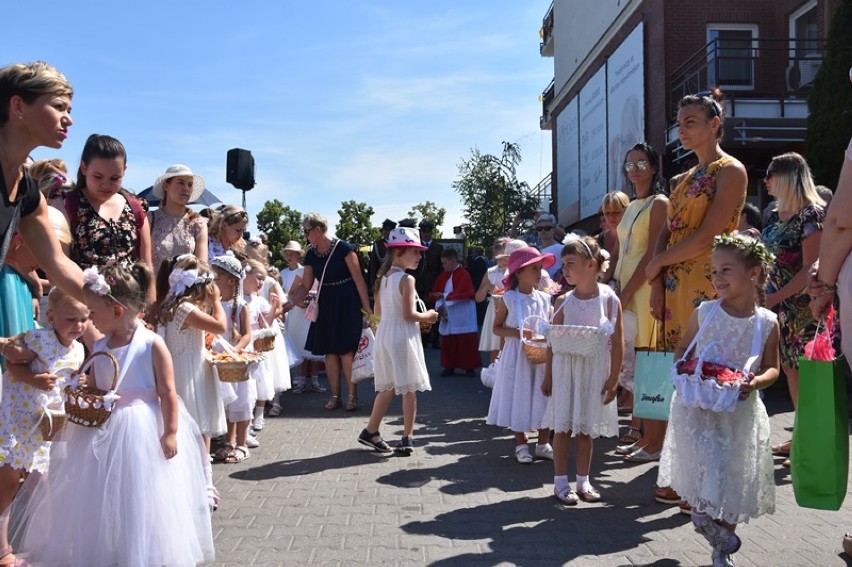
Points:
(172, 236)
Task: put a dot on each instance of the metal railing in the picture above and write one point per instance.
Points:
(546, 32)
(775, 68)
(546, 121)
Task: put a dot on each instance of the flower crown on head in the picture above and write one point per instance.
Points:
(99, 284)
(747, 244)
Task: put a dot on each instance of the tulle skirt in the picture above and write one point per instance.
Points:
(297, 330)
(279, 360)
(112, 498)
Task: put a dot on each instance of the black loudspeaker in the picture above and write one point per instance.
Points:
(240, 169)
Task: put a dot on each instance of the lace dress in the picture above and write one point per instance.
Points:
(516, 400)
(195, 382)
(398, 355)
(721, 463)
(576, 404)
(173, 236)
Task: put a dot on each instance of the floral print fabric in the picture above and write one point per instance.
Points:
(784, 239)
(102, 242)
(688, 283)
(21, 444)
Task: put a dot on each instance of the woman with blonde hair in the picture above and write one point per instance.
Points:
(792, 233)
(226, 231)
(341, 299)
(612, 209)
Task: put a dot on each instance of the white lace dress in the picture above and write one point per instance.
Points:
(488, 341)
(721, 463)
(576, 404)
(516, 400)
(398, 358)
(195, 381)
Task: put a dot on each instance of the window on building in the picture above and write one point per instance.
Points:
(731, 51)
(804, 30)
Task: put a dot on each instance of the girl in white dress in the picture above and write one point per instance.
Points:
(400, 368)
(296, 324)
(190, 307)
(132, 491)
(581, 382)
(239, 397)
(491, 289)
(262, 315)
(27, 395)
(517, 401)
(721, 463)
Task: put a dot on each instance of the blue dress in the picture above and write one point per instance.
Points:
(338, 327)
(17, 313)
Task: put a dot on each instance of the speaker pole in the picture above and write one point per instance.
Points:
(244, 199)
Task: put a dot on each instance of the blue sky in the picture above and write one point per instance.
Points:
(376, 101)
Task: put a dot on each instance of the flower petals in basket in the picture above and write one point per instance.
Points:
(263, 340)
(87, 405)
(715, 388)
(233, 366)
(535, 347)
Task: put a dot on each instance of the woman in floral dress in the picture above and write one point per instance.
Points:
(792, 233)
(706, 202)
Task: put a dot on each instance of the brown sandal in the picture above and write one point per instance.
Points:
(333, 403)
(352, 403)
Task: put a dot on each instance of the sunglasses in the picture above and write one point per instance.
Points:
(641, 165)
(307, 231)
(543, 228)
(769, 174)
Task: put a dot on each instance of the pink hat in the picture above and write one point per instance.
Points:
(404, 237)
(523, 257)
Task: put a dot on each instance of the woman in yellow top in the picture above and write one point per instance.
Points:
(638, 231)
(706, 202)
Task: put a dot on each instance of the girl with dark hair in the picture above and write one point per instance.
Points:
(108, 223)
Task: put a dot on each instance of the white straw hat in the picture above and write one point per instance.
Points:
(178, 170)
(293, 246)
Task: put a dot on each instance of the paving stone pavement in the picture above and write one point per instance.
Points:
(312, 495)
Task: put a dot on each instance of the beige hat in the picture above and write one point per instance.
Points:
(292, 246)
(178, 170)
(511, 246)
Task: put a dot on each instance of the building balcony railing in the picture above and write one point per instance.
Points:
(546, 120)
(779, 68)
(546, 47)
(543, 192)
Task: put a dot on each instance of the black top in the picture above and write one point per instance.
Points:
(28, 199)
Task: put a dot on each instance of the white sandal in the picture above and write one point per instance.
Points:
(522, 453)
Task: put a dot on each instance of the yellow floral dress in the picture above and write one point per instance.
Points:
(21, 444)
(688, 283)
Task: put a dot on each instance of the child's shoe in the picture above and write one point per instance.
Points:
(276, 410)
(252, 442)
(544, 451)
(258, 422)
(298, 386)
(522, 453)
(316, 386)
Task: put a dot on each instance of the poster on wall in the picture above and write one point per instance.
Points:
(593, 144)
(568, 164)
(625, 105)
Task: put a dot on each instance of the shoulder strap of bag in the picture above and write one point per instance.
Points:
(322, 278)
(13, 226)
(713, 310)
(647, 204)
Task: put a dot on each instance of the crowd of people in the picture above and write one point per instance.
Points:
(558, 317)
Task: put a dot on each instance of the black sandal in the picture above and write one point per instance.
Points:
(366, 438)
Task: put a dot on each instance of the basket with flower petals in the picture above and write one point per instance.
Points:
(87, 405)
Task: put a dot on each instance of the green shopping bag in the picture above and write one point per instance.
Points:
(820, 452)
(653, 388)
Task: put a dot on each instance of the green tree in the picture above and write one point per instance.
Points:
(281, 224)
(355, 225)
(491, 193)
(830, 102)
(431, 212)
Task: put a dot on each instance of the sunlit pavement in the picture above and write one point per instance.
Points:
(312, 495)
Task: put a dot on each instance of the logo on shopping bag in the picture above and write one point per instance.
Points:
(653, 399)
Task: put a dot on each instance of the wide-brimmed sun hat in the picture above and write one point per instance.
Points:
(293, 246)
(404, 237)
(527, 256)
(178, 170)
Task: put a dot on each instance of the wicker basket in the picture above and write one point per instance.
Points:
(536, 347)
(52, 420)
(575, 340)
(425, 326)
(232, 370)
(85, 405)
(264, 340)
